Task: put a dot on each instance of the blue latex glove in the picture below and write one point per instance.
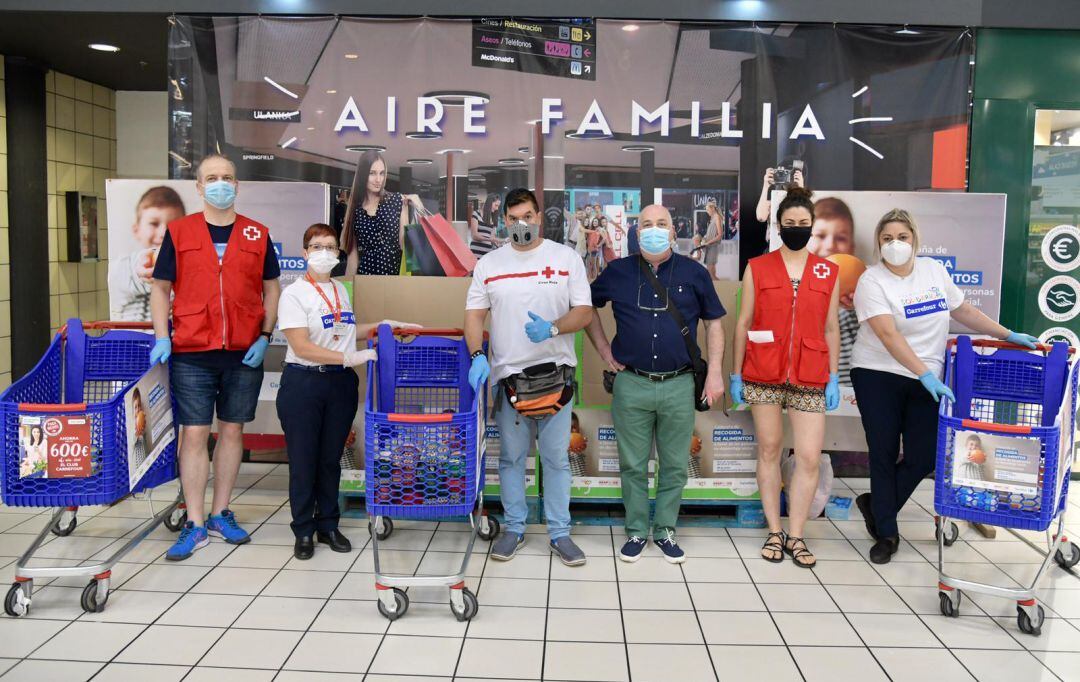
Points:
(937, 389)
(1022, 339)
(735, 388)
(254, 356)
(161, 351)
(479, 371)
(832, 393)
(538, 329)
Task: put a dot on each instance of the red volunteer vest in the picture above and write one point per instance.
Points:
(217, 306)
(797, 352)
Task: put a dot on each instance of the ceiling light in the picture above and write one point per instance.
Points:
(456, 98)
(589, 135)
(906, 32)
(331, 92)
(318, 111)
(104, 47)
(638, 148)
(630, 27)
(453, 150)
(419, 162)
(523, 150)
(365, 148)
(423, 135)
(351, 56)
(511, 162)
(311, 127)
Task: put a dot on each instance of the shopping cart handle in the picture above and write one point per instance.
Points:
(48, 407)
(105, 324)
(991, 426)
(991, 343)
(420, 418)
(423, 331)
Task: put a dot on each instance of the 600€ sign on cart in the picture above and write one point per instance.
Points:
(68, 438)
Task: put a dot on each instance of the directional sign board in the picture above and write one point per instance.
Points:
(551, 48)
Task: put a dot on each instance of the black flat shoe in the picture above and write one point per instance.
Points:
(863, 503)
(304, 548)
(883, 549)
(337, 541)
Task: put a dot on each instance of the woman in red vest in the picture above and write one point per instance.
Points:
(787, 347)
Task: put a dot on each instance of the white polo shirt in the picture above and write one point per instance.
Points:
(547, 280)
(302, 306)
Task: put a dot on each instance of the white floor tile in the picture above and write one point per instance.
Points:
(597, 568)
(725, 597)
(39, 671)
(755, 663)
(54, 602)
(513, 592)
(509, 622)
(273, 534)
(1005, 552)
(970, 632)
(125, 606)
(517, 660)
(351, 616)
(707, 546)
(279, 613)
(124, 672)
(900, 574)
(324, 559)
(169, 577)
(784, 572)
(430, 620)
(222, 580)
(345, 653)
(206, 610)
(582, 625)
(804, 598)
(308, 676)
(19, 637)
(867, 599)
(662, 627)
(88, 642)
(258, 556)
(1057, 635)
(892, 630)
(391, 562)
(686, 663)
(828, 664)
(846, 573)
(108, 526)
(303, 584)
(654, 596)
(649, 569)
(535, 566)
(755, 628)
(816, 629)
(1065, 603)
(1065, 665)
(449, 563)
(356, 586)
(251, 649)
(587, 662)
(1004, 666)
(711, 570)
(170, 644)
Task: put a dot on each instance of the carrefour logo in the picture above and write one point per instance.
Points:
(288, 263)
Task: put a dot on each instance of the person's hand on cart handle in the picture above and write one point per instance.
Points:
(479, 371)
(255, 354)
(355, 358)
(161, 351)
(394, 324)
(1021, 339)
(832, 392)
(937, 389)
(537, 328)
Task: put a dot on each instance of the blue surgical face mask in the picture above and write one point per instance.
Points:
(220, 194)
(654, 240)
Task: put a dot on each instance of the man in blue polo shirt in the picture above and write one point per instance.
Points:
(654, 388)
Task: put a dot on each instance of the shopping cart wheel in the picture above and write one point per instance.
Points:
(65, 525)
(176, 520)
(91, 603)
(1030, 619)
(17, 602)
(1071, 560)
(949, 608)
(386, 527)
(950, 536)
(471, 606)
(401, 603)
(489, 527)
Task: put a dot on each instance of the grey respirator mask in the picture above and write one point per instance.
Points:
(522, 233)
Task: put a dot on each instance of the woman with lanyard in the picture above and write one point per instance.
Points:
(319, 390)
(483, 225)
(787, 346)
(904, 305)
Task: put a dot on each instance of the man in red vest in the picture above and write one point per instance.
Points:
(222, 271)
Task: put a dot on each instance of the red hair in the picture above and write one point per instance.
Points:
(318, 230)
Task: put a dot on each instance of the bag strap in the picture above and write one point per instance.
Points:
(688, 337)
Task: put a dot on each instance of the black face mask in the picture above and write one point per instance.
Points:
(795, 238)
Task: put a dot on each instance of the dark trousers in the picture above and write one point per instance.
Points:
(316, 411)
(895, 407)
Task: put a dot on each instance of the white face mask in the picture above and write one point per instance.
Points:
(896, 252)
(322, 262)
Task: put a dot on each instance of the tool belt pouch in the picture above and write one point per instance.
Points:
(541, 390)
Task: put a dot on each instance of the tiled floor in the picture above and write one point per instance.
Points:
(255, 613)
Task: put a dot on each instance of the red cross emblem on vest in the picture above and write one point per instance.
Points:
(252, 233)
(821, 271)
(547, 272)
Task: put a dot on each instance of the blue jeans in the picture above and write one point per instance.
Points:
(203, 382)
(517, 434)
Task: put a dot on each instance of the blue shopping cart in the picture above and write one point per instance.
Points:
(1020, 405)
(82, 379)
(423, 452)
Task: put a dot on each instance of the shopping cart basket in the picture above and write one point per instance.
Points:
(1023, 404)
(424, 452)
(81, 375)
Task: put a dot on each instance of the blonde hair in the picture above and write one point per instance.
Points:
(897, 215)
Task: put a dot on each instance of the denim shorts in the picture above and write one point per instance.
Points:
(200, 384)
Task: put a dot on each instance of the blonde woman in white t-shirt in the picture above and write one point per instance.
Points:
(319, 394)
(904, 305)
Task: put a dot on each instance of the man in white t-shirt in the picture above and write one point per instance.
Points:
(538, 295)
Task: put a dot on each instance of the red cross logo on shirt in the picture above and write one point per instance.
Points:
(821, 271)
(252, 233)
(547, 272)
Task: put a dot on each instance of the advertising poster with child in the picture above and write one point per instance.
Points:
(55, 447)
(148, 418)
(140, 211)
(1006, 464)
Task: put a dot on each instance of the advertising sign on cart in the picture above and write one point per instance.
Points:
(148, 418)
(55, 447)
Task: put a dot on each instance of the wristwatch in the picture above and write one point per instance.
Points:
(554, 331)
(269, 335)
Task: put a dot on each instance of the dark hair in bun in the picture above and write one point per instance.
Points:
(797, 197)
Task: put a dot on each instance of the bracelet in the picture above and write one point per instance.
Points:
(269, 335)
(476, 354)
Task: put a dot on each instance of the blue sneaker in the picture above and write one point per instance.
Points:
(672, 552)
(191, 538)
(506, 545)
(633, 548)
(224, 526)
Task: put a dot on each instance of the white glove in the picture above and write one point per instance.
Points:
(394, 324)
(354, 358)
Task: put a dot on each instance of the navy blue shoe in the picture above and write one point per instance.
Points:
(631, 551)
(672, 552)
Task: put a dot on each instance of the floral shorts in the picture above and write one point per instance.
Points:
(801, 398)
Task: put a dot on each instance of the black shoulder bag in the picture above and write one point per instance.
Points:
(701, 368)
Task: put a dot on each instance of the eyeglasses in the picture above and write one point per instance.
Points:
(322, 247)
(648, 299)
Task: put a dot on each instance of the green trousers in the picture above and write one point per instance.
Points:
(644, 410)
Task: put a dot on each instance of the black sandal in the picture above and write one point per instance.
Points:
(797, 553)
(775, 546)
